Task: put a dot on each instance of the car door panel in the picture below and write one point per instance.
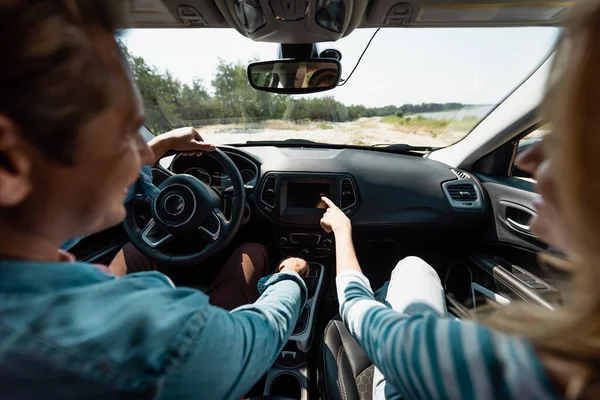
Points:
(508, 262)
(516, 283)
(512, 200)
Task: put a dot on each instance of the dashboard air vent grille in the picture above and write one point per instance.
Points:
(460, 174)
(462, 192)
(348, 194)
(268, 192)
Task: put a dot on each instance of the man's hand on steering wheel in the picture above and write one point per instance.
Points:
(186, 140)
(185, 206)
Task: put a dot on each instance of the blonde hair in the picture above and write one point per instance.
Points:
(571, 333)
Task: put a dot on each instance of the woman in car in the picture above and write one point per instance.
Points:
(69, 151)
(518, 351)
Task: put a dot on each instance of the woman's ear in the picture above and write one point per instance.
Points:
(15, 165)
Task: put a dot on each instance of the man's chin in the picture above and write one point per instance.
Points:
(114, 218)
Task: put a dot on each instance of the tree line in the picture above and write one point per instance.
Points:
(169, 103)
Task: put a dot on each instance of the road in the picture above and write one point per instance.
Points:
(363, 132)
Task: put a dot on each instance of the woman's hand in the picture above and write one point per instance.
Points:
(294, 264)
(334, 220)
(186, 140)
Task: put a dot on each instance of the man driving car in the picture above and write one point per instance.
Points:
(70, 149)
(236, 282)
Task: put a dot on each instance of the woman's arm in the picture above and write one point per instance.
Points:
(423, 356)
(336, 221)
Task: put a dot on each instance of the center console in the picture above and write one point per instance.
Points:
(293, 201)
(289, 377)
(295, 198)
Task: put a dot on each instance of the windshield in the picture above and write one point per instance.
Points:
(421, 87)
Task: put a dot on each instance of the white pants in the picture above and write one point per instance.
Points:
(413, 284)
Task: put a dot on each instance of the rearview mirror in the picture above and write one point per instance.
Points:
(295, 77)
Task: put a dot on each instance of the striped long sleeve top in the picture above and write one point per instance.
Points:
(425, 356)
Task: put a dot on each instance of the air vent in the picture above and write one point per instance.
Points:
(348, 194)
(460, 174)
(462, 192)
(463, 195)
(268, 192)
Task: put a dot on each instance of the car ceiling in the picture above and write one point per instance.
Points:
(310, 21)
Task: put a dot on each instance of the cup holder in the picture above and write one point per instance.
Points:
(302, 322)
(286, 385)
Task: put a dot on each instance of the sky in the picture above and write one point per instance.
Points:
(431, 65)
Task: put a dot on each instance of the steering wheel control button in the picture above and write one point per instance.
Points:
(174, 204)
(327, 243)
(153, 237)
(211, 227)
(283, 241)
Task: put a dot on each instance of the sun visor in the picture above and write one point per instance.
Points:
(177, 14)
(150, 12)
(469, 13)
(490, 13)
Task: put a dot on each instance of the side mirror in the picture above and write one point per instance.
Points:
(295, 77)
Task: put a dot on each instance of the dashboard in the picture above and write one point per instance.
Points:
(209, 171)
(402, 198)
(374, 188)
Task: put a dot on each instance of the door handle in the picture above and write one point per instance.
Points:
(522, 227)
(516, 217)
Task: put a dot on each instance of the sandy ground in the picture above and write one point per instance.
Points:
(363, 132)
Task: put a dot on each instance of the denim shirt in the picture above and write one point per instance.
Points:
(72, 331)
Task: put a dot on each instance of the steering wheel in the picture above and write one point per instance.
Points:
(187, 206)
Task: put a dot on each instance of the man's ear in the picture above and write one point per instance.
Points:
(15, 165)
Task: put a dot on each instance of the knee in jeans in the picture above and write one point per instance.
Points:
(414, 265)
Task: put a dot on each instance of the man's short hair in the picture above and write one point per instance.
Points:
(52, 77)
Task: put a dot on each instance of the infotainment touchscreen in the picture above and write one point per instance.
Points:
(307, 195)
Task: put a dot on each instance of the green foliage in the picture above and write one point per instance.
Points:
(321, 109)
(464, 125)
(324, 126)
(230, 99)
(432, 126)
(419, 121)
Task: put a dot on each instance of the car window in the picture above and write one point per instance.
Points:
(422, 87)
(526, 143)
